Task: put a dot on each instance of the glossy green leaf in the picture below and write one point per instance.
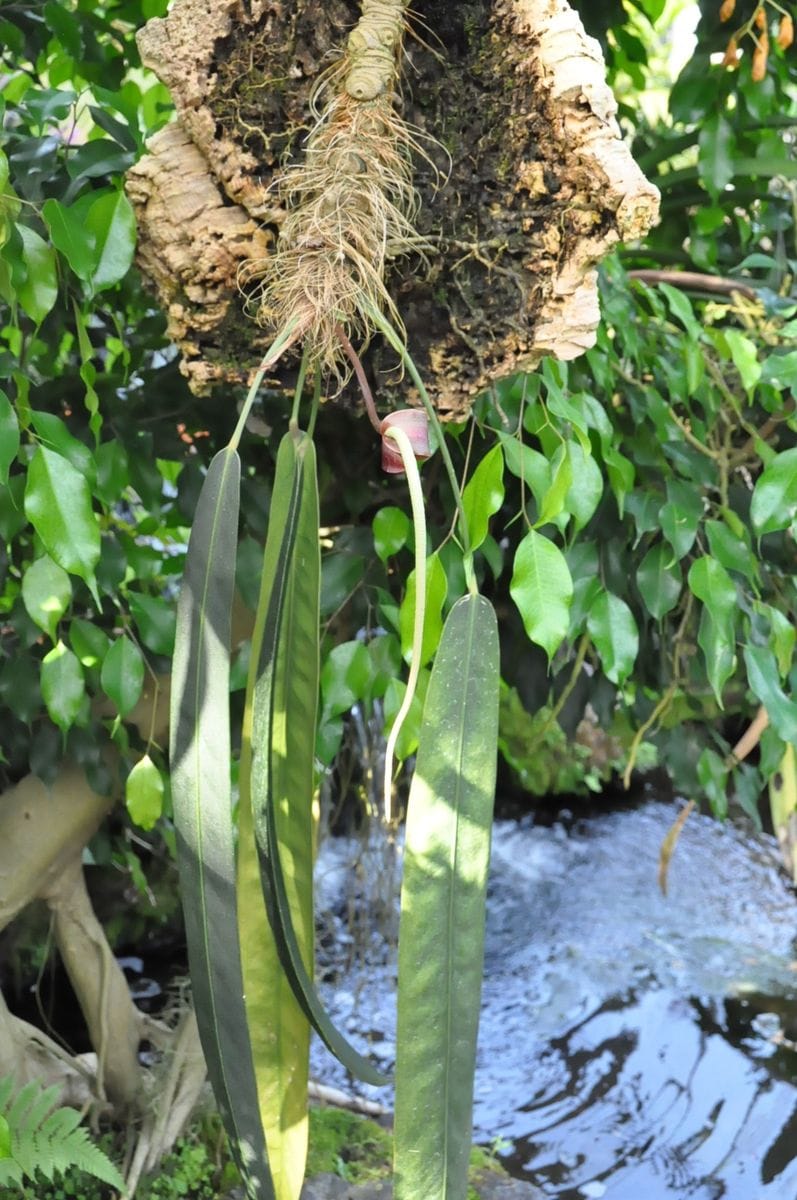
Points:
(122, 676)
(9, 436)
(70, 235)
(111, 222)
(680, 516)
(483, 495)
(763, 679)
(613, 629)
(39, 292)
(62, 684)
(585, 491)
(713, 776)
(553, 502)
(436, 590)
(621, 472)
(58, 505)
(345, 677)
(711, 584)
(542, 589)
(782, 638)
(745, 357)
(732, 549)
(717, 149)
(280, 1028)
(441, 940)
(659, 580)
(89, 642)
(717, 640)
(391, 527)
(46, 593)
(155, 620)
(774, 503)
(257, 773)
(54, 434)
(202, 800)
(144, 792)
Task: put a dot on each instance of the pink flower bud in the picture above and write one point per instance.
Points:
(415, 423)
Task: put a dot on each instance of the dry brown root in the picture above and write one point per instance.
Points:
(350, 203)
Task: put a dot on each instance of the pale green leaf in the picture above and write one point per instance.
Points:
(58, 505)
(144, 793)
(441, 940)
(436, 590)
(774, 503)
(111, 222)
(62, 685)
(122, 676)
(483, 495)
(542, 589)
(613, 629)
(46, 593)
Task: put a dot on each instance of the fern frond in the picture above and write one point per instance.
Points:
(47, 1140)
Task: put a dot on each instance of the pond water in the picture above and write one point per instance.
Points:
(632, 1046)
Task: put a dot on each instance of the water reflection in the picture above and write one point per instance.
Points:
(631, 1046)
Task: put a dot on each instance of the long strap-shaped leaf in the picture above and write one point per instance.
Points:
(200, 766)
(296, 456)
(280, 1030)
(441, 938)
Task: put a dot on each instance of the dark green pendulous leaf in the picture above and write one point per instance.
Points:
(296, 457)
(441, 940)
(280, 1030)
(201, 796)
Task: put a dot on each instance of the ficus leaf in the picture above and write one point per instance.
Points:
(122, 675)
(483, 495)
(659, 580)
(542, 589)
(774, 502)
(436, 589)
(613, 629)
(9, 436)
(144, 792)
(39, 292)
(391, 527)
(112, 224)
(62, 684)
(58, 505)
(46, 593)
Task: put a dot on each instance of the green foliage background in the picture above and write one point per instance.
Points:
(635, 509)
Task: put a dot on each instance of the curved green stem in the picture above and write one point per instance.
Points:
(315, 404)
(419, 524)
(384, 326)
(299, 390)
(285, 338)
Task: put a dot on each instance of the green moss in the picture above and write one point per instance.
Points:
(342, 1143)
(359, 1151)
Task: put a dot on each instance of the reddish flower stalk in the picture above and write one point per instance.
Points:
(365, 387)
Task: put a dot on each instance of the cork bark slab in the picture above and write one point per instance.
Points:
(538, 183)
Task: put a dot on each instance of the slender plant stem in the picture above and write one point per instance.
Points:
(297, 395)
(365, 387)
(285, 338)
(384, 326)
(419, 524)
(315, 404)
